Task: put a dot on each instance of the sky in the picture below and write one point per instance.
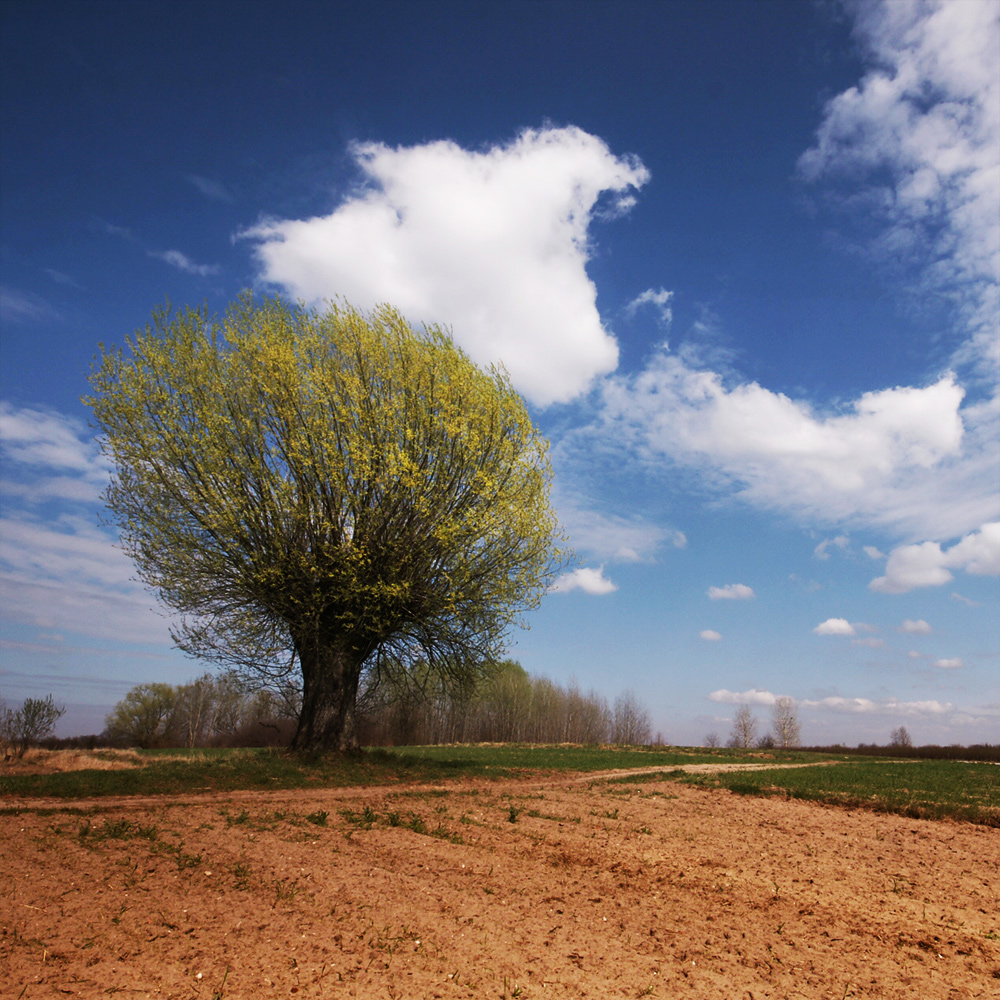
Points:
(742, 259)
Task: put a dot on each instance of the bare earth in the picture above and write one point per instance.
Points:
(562, 887)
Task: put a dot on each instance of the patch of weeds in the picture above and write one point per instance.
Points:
(285, 891)
(119, 829)
(555, 819)
(443, 833)
(416, 824)
(393, 819)
(241, 872)
(643, 829)
(515, 990)
(242, 818)
(363, 820)
(318, 818)
(512, 813)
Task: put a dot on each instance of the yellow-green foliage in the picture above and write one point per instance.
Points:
(292, 476)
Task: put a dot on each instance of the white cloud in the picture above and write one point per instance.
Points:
(752, 697)
(890, 706)
(731, 592)
(914, 655)
(184, 263)
(928, 565)
(873, 553)
(835, 626)
(611, 536)
(840, 542)
(587, 579)
(659, 299)
(907, 458)
(493, 243)
(710, 635)
(952, 664)
(923, 129)
(918, 627)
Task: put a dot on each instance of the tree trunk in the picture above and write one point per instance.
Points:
(330, 676)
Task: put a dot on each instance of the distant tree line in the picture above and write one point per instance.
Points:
(503, 705)
(497, 703)
(975, 751)
(214, 710)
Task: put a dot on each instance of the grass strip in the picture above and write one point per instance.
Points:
(920, 789)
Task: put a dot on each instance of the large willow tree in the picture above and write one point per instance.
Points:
(330, 491)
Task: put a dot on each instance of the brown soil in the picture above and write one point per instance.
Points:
(557, 888)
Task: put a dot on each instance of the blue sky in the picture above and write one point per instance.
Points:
(742, 259)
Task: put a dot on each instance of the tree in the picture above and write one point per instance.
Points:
(712, 740)
(33, 721)
(785, 723)
(145, 717)
(744, 728)
(900, 738)
(630, 725)
(325, 496)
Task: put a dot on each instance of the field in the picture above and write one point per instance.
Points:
(500, 872)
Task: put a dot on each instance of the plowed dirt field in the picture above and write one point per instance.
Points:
(547, 887)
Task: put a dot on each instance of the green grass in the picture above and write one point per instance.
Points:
(484, 758)
(931, 789)
(223, 770)
(923, 789)
(191, 771)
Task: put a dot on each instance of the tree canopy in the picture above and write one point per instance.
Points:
(330, 493)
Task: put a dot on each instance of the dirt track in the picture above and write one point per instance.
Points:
(558, 888)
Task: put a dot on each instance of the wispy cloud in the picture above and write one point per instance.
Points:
(24, 307)
(660, 299)
(611, 536)
(915, 144)
(64, 573)
(918, 627)
(61, 278)
(710, 635)
(731, 592)
(822, 550)
(213, 190)
(184, 263)
(494, 243)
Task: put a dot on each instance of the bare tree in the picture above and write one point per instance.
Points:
(712, 740)
(785, 723)
(899, 737)
(33, 721)
(744, 728)
(631, 725)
